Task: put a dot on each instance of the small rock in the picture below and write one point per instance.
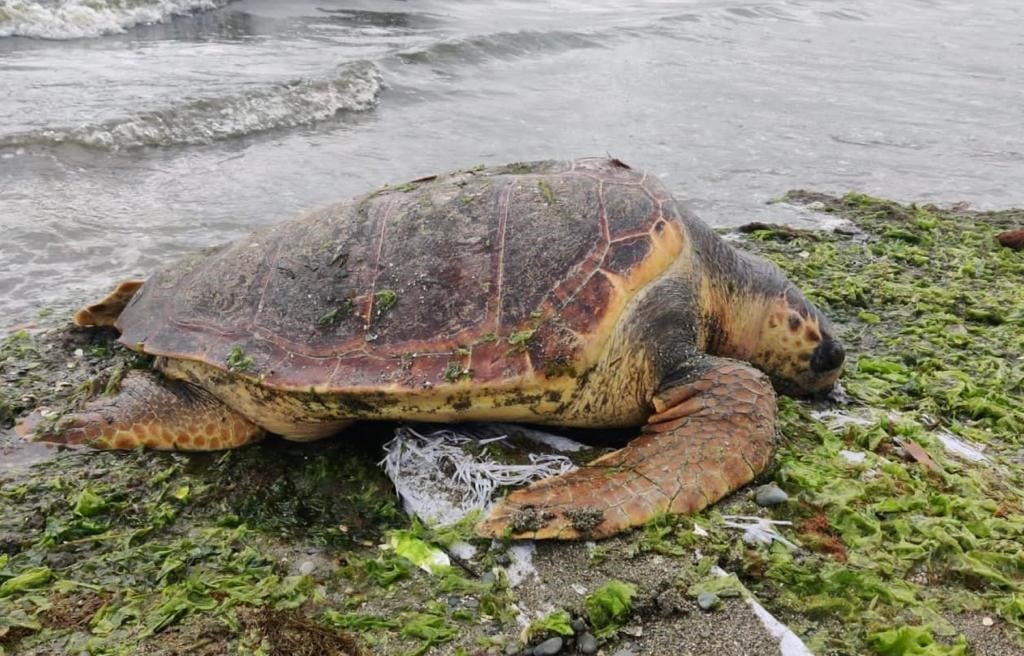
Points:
(512, 648)
(488, 578)
(578, 625)
(307, 567)
(987, 621)
(549, 647)
(770, 495)
(587, 644)
(708, 600)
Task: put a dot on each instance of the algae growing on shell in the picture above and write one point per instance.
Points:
(899, 539)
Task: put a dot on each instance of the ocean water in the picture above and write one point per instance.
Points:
(132, 131)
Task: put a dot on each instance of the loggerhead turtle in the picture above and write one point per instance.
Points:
(563, 293)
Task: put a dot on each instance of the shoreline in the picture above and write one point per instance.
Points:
(276, 547)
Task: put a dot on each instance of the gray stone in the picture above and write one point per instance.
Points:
(549, 647)
(770, 495)
(587, 644)
(708, 600)
(307, 567)
(578, 625)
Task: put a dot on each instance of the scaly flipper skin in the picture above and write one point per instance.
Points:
(708, 438)
(106, 311)
(153, 412)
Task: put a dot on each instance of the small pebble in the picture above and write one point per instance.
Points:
(587, 644)
(578, 625)
(770, 495)
(307, 567)
(488, 578)
(549, 647)
(987, 621)
(708, 600)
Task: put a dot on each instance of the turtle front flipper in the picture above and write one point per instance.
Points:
(708, 438)
(150, 411)
(106, 311)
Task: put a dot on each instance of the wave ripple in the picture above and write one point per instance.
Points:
(353, 87)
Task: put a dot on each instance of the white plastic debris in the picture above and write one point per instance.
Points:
(758, 530)
(790, 643)
(521, 567)
(856, 457)
(463, 550)
(440, 482)
(960, 447)
(836, 419)
(425, 556)
(498, 429)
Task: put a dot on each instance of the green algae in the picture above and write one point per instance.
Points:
(150, 547)
(520, 339)
(151, 542)
(912, 641)
(929, 308)
(609, 606)
(545, 190)
(555, 623)
(238, 361)
(384, 300)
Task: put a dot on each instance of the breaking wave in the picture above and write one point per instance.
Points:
(353, 87)
(79, 19)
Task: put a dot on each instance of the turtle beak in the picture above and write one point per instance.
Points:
(827, 357)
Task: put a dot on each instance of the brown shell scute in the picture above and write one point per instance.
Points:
(502, 271)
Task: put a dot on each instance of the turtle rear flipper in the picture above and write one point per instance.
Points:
(708, 438)
(149, 411)
(106, 311)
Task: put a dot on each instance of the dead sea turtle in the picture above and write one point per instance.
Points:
(562, 293)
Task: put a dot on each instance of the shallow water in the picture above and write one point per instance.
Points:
(132, 131)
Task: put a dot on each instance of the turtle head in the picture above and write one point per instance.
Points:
(797, 347)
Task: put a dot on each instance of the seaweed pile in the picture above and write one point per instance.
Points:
(906, 502)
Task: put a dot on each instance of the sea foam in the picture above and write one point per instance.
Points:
(79, 19)
(352, 87)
